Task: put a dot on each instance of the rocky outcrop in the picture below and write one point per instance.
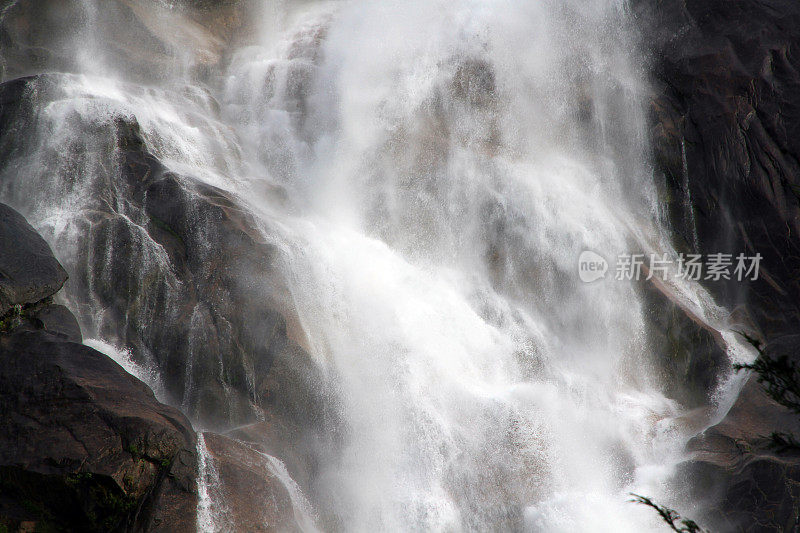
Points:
(250, 489)
(691, 356)
(175, 270)
(84, 446)
(738, 481)
(271, 437)
(180, 272)
(726, 125)
(726, 119)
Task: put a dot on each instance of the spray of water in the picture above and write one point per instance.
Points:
(148, 372)
(212, 513)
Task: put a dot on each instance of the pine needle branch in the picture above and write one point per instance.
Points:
(670, 516)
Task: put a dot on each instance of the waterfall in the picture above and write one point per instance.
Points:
(426, 174)
(211, 509)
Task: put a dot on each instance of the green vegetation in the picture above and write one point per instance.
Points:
(780, 379)
(112, 508)
(11, 319)
(670, 516)
(45, 523)
(74, 480)
(133, 450)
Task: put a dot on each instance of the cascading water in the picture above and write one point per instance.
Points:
(441, 164)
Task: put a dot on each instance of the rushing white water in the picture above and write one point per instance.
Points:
(148, 373)
(450, 185)
(445, 163)
(301, 508)
(212, 513)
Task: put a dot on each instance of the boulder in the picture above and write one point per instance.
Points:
(28, 271)
(59, 321)
(86, 446)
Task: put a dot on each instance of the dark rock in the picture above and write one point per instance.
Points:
(691, 357)
(178, 272)
(16, 110)
(726, 131)
(59, 321)
(738, 480)
(726, 115)
(28, 270)
(174, 500)
(85, 446)
(726, 125)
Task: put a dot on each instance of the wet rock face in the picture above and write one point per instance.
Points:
(691, 357)
(40, 35)
(172, 268)
(84, 446)
(726, 131)
(245, 489)
(215, 289)
(738, 481)
(726, 126)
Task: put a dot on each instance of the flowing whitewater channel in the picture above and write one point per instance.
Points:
(441, 165)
